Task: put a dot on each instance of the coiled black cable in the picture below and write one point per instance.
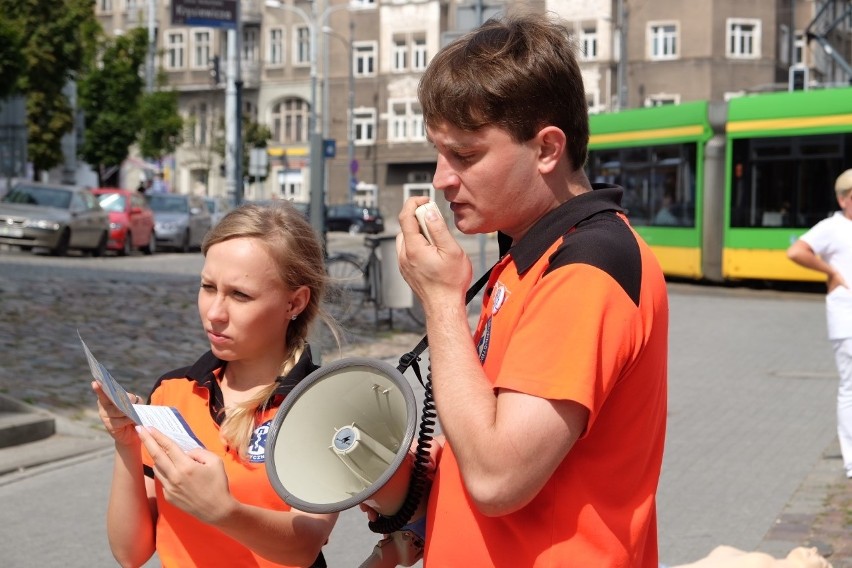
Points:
(419, 472)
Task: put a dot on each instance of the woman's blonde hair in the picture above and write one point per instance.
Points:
(294, 247)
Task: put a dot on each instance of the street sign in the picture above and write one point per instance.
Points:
(258, 162)
(329, 148)
(205, 13)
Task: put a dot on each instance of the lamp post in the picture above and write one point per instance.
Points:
(350, 121)
(316, 208)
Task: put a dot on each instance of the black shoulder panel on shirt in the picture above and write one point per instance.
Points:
(606, 242)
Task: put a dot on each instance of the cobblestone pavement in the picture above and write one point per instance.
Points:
(137, 330)
(138, 326)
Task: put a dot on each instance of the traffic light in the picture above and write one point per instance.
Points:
(214, 70)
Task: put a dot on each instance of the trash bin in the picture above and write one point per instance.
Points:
(395, 291)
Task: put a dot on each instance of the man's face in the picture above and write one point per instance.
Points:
(491, 182)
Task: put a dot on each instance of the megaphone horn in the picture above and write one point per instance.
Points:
(342, 437)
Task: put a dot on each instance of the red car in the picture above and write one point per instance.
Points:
(131, 221)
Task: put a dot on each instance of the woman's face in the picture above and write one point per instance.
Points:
(244, 306)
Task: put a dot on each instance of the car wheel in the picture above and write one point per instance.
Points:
(100, 250)
(151, 247)
(61, 248)
(355, 228)
(128, 245)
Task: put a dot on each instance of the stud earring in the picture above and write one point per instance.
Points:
(294, 317)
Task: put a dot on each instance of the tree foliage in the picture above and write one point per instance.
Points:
(11, 58)
(253, 135)
(56, 39)
(162, 125)
(110, 94)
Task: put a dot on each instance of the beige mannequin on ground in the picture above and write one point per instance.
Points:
(729, 557)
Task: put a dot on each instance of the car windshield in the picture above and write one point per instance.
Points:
(112, 202)
(168, 204)
(41, 196)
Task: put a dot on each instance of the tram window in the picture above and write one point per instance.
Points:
(771, 149)
(659, 181)
(793, 192)
(827, 146)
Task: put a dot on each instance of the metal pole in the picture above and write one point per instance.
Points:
(350, 139)
(622, 56)
(152, 48)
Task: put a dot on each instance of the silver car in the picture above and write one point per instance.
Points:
(55, 217)
(218, 207)
(181, 221)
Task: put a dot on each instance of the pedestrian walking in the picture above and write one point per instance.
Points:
(827, 248)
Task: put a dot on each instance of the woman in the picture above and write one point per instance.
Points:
(261, 286)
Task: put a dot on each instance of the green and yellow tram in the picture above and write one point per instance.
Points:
(720, 190)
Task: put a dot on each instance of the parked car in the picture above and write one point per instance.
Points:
(180, 221)
(52, 216)
(354, 218)
(218, 207)
(131, 221)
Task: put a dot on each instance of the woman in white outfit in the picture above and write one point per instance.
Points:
(827, 247)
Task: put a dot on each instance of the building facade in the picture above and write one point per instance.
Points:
(351, 69)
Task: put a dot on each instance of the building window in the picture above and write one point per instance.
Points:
(364, 123)
(290, 121)
(743, 41)
(275, 53)
(661, 99)
(365, 58)
(201, 49)
(799, 49)
(175, 45)
(405, 121)
(302, 47)
(662, 41)
(400, 54)
(589, 44)
(105, 6)
(250, 44)
(419, 58)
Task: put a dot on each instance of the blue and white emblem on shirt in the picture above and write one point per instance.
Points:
(500, 295)
(257, 445)
(484, 340)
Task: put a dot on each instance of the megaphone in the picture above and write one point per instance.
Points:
(342, 437)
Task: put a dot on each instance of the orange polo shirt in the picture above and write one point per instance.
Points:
(182, 540)
(577, 310)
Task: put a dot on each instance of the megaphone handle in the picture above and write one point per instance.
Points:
(401, 548)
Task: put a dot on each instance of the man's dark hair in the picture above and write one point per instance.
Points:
(518, 73)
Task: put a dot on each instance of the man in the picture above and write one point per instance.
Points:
(554, 414)
(827, 247)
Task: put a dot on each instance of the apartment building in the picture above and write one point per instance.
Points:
(362, 74)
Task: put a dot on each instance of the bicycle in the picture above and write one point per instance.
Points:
(356, 282)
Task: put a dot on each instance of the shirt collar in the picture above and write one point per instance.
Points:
(558, 222)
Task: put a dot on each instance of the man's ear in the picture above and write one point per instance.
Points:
(552, 143)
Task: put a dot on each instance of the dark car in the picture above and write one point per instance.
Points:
(131, 220)
(354, 218)
(55, 217)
